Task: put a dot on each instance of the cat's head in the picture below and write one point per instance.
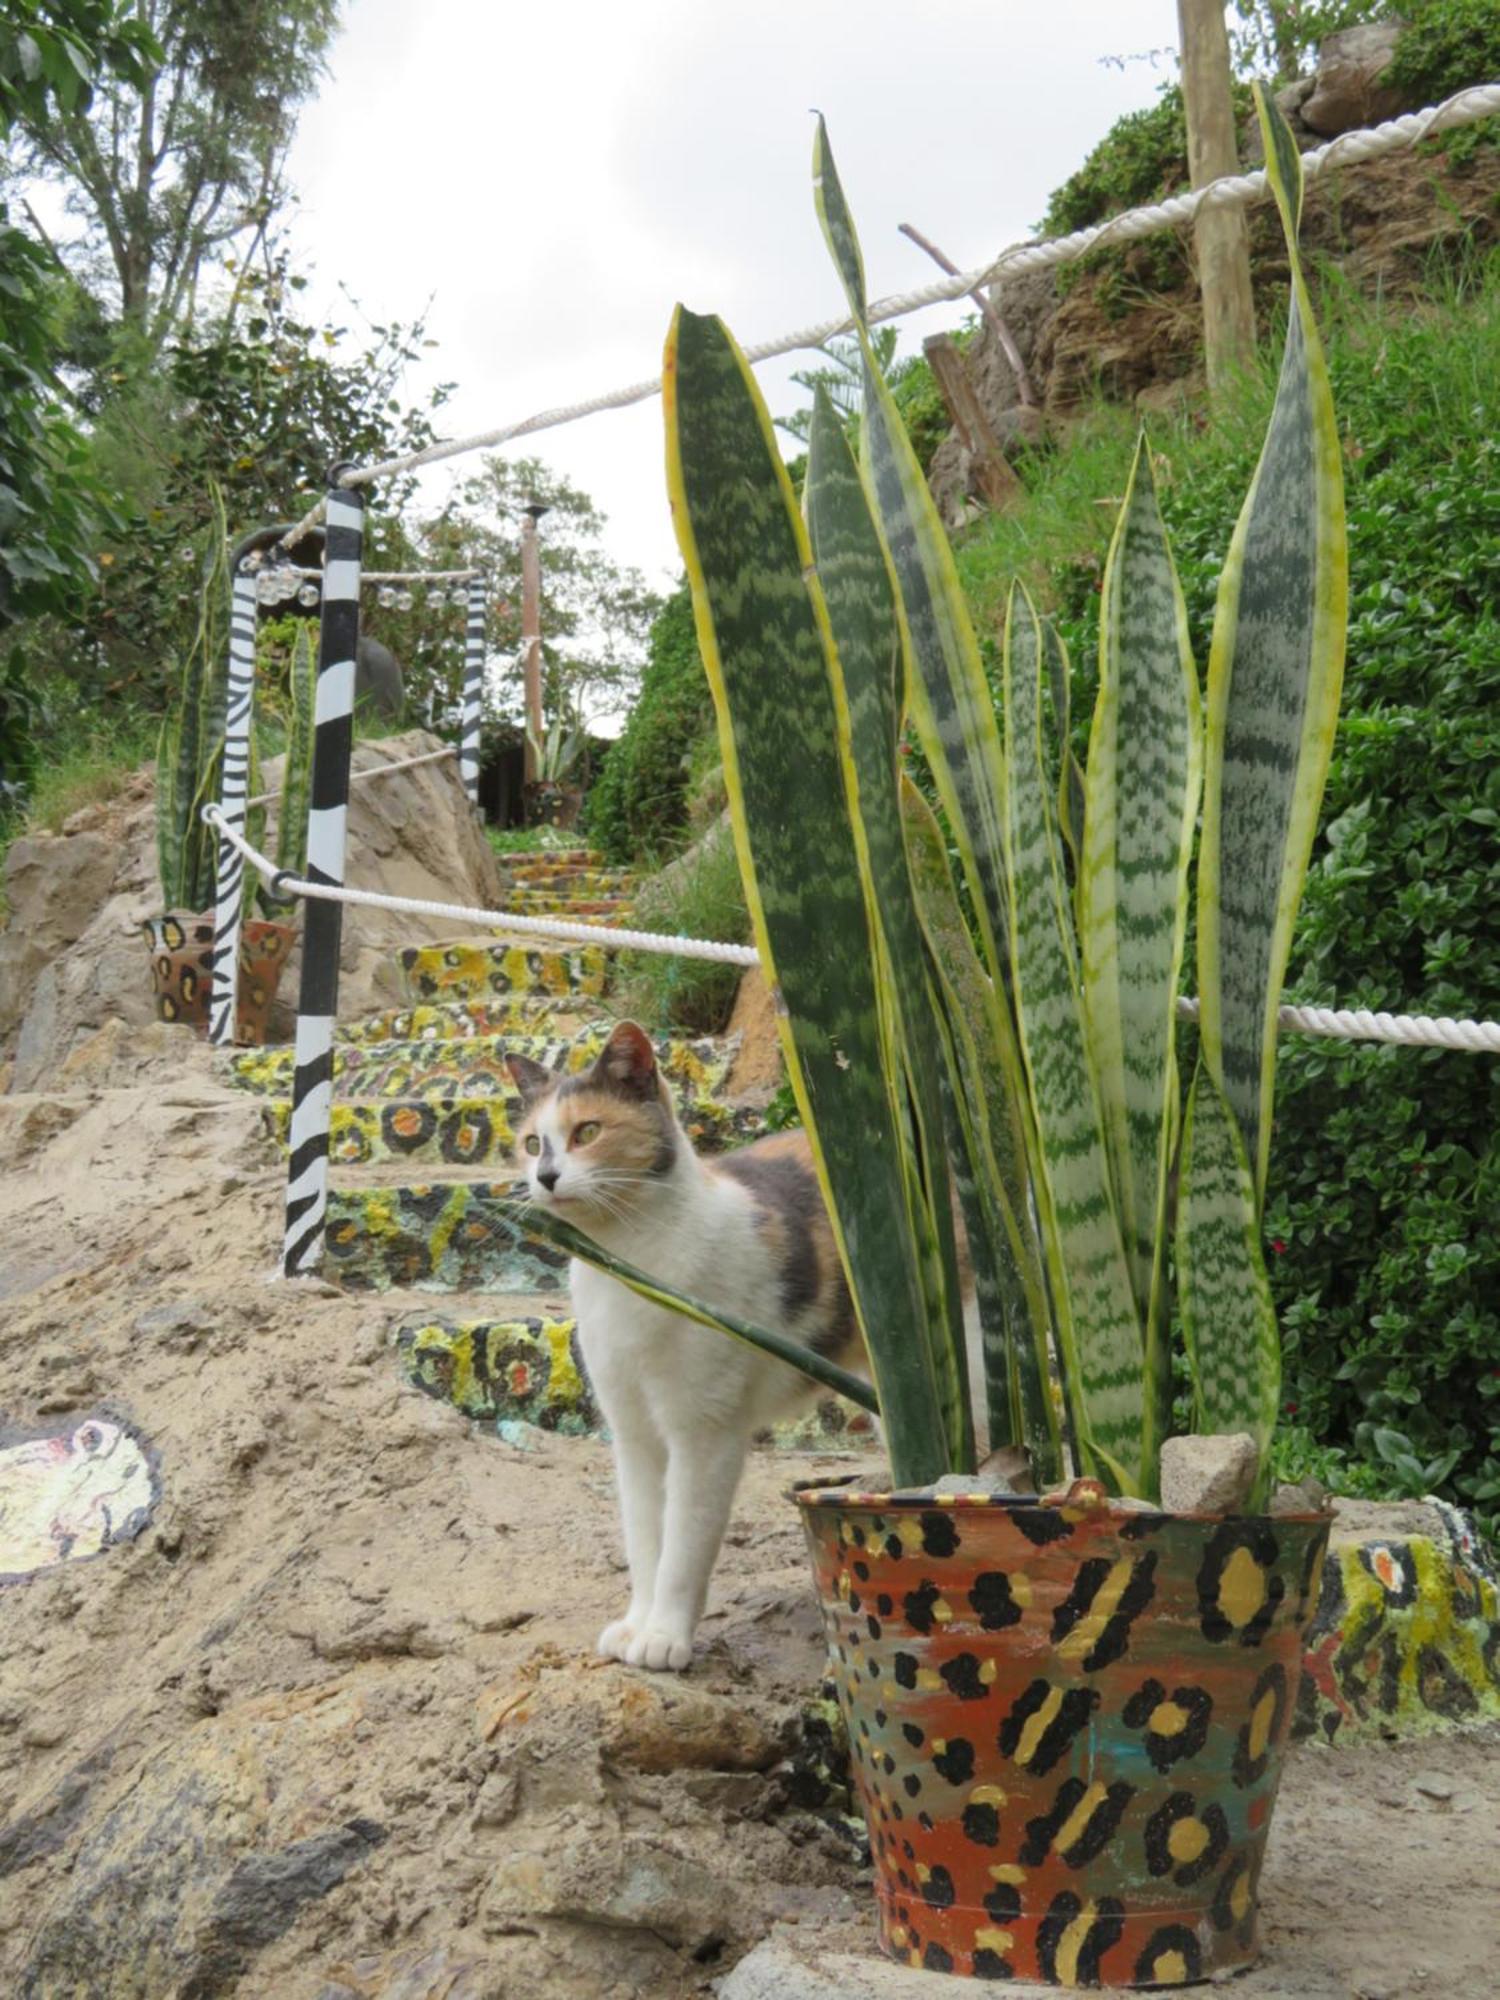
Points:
(597, 1142)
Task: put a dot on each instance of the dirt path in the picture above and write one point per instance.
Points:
(331, 1726)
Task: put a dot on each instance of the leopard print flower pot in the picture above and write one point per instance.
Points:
(1066, 1721)
(181, 957)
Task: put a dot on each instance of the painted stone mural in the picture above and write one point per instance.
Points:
(70, 1495)
(470, 971)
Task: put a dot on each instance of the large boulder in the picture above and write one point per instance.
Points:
(1349, 90)
(73, 962)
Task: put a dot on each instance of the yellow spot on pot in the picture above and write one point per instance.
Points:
(1020, 1589)
(1187, 1841)
(987, 1671)
(1170, 1969)
(1009, 1873)
(1071, 1944)
(942, 1611)
(1073, 1826)
(1037, 1726)
(899, 1934)
(1085, 1634)
(1168, 1718)
(989, 1939)
(1239, 1896)
(909, 1528)
(1263, 1715)
(987, 1795)
(924, 1873)
(939, 1746)
(1242, 1588)
(928, 1682)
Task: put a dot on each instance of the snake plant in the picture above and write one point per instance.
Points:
(1010, 1032)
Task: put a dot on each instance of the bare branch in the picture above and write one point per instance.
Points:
(988, 311)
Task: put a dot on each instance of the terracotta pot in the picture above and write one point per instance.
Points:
(181, 956)
(1066, 1722)
(553, 805)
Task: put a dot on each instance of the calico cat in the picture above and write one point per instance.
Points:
(747, 1232)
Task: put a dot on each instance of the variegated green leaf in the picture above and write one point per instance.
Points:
(1274, 675)
(951, 703)
(1118, 1419)
(1144, 773)
(784, 732)
(1228, 1319)
(992, 1115)
(1070, 782)
(530, 1221)
(860, 598)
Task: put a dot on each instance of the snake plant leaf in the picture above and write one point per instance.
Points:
(1144, 774)
(861, 603)
(1228, 1319)
(1071, 790)
(991, 1113)
(1274, 674)
(951, 704)
(784, 732)
(528, 1221)
(1119, 1418)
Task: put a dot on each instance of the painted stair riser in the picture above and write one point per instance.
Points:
(531, 1371)
(574, 881)
(454, 1237)
(476, 970)
(554, 903)
(477, 1067)
(477, 1131)
(469, 1020)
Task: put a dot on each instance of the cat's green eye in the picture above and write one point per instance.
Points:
(585, 1133)
(532, 1143)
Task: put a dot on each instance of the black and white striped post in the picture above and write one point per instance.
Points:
(322, 929)
(468, 744)
(229, 897)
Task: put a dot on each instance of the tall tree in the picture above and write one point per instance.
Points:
(187, 155)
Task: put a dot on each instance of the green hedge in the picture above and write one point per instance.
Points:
(639, 802)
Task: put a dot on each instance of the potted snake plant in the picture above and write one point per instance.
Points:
(189, 767)
(1067, 1708)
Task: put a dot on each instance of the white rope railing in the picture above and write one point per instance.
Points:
(1349, 1025)
(371, 771)
(1465, 107)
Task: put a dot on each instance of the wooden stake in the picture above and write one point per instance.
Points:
(997, 482)
(1220, 235)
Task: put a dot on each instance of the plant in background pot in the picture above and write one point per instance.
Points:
(189, 767)
(1067, 1712)
(558, 756)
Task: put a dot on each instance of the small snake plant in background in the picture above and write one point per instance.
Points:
(1011, 1032)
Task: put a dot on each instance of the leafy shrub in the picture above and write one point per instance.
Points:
(1385, 1169)
(1142, 157)
(698, 895)
(640, 799)
(1444, 46)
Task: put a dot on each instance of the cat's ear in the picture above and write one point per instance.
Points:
(529, 1078)
(627, 1062)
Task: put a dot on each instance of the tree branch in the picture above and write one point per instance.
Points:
(988, 312)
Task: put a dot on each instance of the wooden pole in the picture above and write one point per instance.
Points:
(1220, 235)
(531, 634)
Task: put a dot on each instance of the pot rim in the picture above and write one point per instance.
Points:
(1083, 1496)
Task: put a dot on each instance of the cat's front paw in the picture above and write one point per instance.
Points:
(661, 1649)
(615, 1641)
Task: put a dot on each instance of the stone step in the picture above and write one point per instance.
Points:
(530, 1371)
(475, 1067)
(553, 857)
(572, 880)
(476, 1131)
(480, 969)
(435, 1236)
(548, 902)
(466, 1020)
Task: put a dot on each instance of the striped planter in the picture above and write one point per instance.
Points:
(1067, 1721)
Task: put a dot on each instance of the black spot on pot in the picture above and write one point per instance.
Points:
(918, 1604)
(937, 1890)
(1171, 1957)
(1099, 1939)
(955, 1761)
(1003, 1903)
(914, 1736)
(1041, 1525)
(904, 1667)
(861, 1570)
(885, 1604)
(962, 1675)
(939, 1534)
(1262, 1732)
(1184, 1840)
(894, 1548)
(1239, 1587)
(994, 1605)
(1176, 1726)
(990, 1965)
(911, 1784)
(1104, 1808)
(1060, 1712)
(873, 1626)
(936, 1959)
(981, 1824)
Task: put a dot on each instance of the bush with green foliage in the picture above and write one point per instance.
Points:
(638, 804)
(1445, 45)
(698, 895)
(1385, 1173)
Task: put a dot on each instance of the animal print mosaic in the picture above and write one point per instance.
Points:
(548, 902)
(463, 1020)
(71, 1495)
(448, 1237)
(475, 971)
(515, 1370)
(459, 1132)
(1087, 1800)
(571, 876)
(1406, 1638)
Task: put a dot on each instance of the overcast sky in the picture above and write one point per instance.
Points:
(557, 177)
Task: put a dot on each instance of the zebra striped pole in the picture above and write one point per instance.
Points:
(224, 965)
(468, 743)
(317, 1005)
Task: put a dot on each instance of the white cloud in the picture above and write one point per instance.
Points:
(558, 176)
